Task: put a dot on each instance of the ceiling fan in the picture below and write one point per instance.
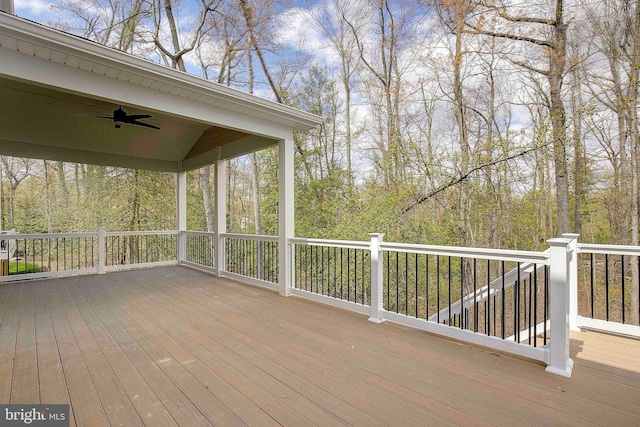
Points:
(120, 117)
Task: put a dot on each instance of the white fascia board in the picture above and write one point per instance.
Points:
(32, 69)
(57, 41)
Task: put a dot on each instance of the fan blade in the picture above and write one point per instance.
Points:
(134, 117)
(101, 109)
(92, 116)
(143, 124)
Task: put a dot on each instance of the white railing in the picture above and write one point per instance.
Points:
(606, 291)
(36, 256)
(332, 271)
(199, 250)
(513, 301)
(126, 250)
(251, 258)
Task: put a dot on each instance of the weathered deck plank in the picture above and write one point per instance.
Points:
(171, 346)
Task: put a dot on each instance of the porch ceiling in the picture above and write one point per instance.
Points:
(50, 81)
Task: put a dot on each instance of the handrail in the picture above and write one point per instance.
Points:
(256, 237)
(48, 236)
(589, 248)
(481, 253)
(199, 233)
(142, 233)
(347, 244)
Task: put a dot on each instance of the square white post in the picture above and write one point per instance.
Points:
(559, 255)
(286, 212)
(376, 278)
(102, 256)
(181, 214)
(573, 280)
(220, 207)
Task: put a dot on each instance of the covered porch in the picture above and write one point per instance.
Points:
(175, 346)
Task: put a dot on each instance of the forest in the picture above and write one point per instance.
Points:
(490, 123)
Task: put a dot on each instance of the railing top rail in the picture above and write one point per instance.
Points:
(347, 244)
(48, 235)
(258, 237)
(481, 253)
(142, 233)
(199, 233)
(590, 248)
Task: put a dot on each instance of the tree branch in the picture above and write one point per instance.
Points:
(478, 31)
(458, 179)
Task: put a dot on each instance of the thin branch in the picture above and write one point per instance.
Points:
(478, 31)
(458, 179)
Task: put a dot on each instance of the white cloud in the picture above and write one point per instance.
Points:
(32, 8)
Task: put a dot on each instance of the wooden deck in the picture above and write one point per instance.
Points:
(174, 346)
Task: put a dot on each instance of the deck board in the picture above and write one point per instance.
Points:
(26, 387)
(175, 346)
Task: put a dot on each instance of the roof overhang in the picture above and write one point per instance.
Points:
(50, 81)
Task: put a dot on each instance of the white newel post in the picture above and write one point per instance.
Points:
(220, 208)
(102, 256)
(559, 256)
(286, 213)
(181, 215)
(376, 278)
(573, 280)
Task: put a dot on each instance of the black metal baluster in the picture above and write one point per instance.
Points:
(502, 319)
(362, 264)
(415, 256)
(348, 274)
(388, 306)
(406, 283)
(397, 280)
(426, 286)
(341, 278)
(438, 286)
(461, 292)
(516, 300)
(622, 280)
(535, 305)
(487, 304)
(475, 295)
(322, 270)
(606, 283)
(449, 281)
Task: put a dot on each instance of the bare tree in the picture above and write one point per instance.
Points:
(548, 33)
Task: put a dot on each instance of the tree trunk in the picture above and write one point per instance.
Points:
(633, 123)
(557, 62)
(205, 179)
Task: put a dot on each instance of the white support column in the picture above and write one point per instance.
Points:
(573, 280)
(220, 207)
(102, 256)
(376, 278)
(559, 255)
(286, 212)
(181, 214)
